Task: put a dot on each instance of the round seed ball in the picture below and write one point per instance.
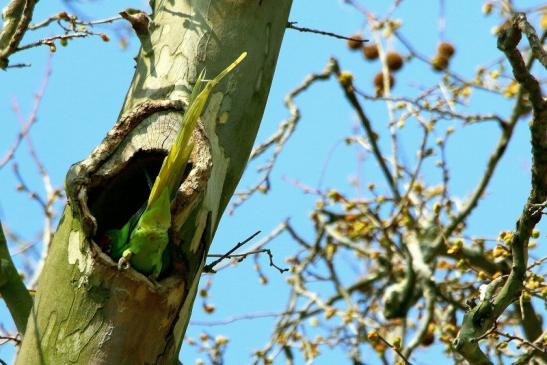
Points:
(440, 62)
(379, 82)
(446, 49)
(370, 51)
(394, 61)
(355, 42)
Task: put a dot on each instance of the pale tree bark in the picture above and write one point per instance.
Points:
(86, 311)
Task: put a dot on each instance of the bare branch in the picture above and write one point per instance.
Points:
(346, 83)
(292, 25)
(479, 319)
(209, 268)
(12, 288)
(17, 16)
(280, 137)
(31, 120)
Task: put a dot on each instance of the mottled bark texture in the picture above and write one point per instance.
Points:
(86, 311)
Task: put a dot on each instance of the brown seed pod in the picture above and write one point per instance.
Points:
(394, 61)
(428, 339)
(379, 82)
(440, 62)
(446, 49)
(370, 51)
(487, 8)
(355, 42)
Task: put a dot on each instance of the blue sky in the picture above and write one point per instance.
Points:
(90, 78)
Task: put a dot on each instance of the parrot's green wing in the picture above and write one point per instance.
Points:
(149, 238)
(119, 238)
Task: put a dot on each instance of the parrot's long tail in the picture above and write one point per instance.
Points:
(173, 166)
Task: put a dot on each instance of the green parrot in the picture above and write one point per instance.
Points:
(143, 240)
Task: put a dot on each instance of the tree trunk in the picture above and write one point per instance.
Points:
(86, 311)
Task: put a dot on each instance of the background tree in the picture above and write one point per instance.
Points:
(401, 263)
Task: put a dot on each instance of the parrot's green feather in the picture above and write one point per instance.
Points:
(143, 240)
(118, 240)
(119, 237)
(150, 237)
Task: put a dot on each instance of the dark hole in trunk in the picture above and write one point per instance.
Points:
(115, 200)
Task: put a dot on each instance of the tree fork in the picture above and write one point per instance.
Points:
(86, 311)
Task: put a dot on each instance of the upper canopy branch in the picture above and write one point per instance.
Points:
(17, 16)
(482, 317)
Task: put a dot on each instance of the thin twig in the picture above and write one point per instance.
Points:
(31, 120)
(292, 25)
(396, 349)
(242, 256)
(278, 140)
(73, 20)
(49, 41)
(209, 268)
(521, 340)
(238, 318)
(367, 125)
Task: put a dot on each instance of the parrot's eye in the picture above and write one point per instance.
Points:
(114, 200)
